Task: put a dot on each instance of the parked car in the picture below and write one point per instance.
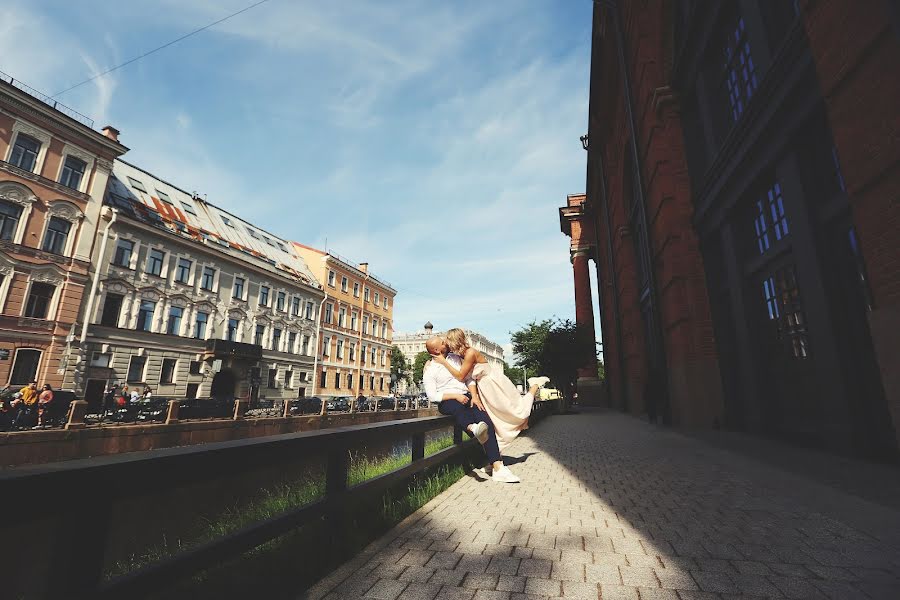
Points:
(339, 403)
(384, 403)
(206, 408)
(310, 405)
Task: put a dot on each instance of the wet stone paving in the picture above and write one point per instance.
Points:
(611, 507)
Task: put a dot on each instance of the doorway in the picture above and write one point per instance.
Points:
(224, 385)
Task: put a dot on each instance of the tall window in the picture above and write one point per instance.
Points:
(292, 342)
(353, 318)
(373, 356)
(344, 282)
(366, 294)
(289, 379)
(25, 152)
(122, 256)
(337, 381)
(183, 270)
(331, 278)
(349, 381)
(329, 312)
(384, 329)
(770, 221)
(200, 325)
(785, 310)
(237, 291)
(56, 236)
(280, 301)
(273, 376)
(73, 172)
(295, 306)
(342, 317)
(310, 310)
(155, 261)
(365, 325)
(167, 371)
(740, 74)
(136, 368)
(25, 366)
(326, 344)
(352, 352)
(276, 340)
(112, 308)
(207, 280)
(145, 315)
(377, 298)
(260, 334)
(306, 342)
(263, 295)
(38, 303)
(9, 219)
(231, 332)
(323, 380)
(356, 290)
(340, 349)
(363, 354)
(174, 325)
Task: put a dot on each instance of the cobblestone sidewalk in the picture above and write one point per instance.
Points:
(611, 507)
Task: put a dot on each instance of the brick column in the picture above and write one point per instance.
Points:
(584, 309)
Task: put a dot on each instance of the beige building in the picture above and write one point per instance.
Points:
(53, 172)
(356, 325)
(193, 301)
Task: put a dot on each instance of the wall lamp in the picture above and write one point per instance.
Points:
(584, 141)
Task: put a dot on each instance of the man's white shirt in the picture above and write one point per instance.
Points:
(438, 380)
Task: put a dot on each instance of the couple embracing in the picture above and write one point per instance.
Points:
(478, 396)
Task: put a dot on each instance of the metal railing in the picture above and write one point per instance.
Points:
(55, 104)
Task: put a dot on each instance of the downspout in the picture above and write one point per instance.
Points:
(316, 358)
(89, 309)
(639, 175)
(359, 353)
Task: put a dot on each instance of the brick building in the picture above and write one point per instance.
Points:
(742, 209)
(356, 321)
(53, 171)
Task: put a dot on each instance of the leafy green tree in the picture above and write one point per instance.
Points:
(419, 365)
(401, 370)
(566, 349)
(601, 370)
(528, 344)
(515, 374)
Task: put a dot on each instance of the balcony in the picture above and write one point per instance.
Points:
(228, 349)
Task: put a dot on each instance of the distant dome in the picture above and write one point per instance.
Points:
(429, 326)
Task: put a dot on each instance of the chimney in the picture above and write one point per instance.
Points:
(364, 267)
(111, 132)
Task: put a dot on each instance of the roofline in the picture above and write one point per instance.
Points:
(344, 263)
(207, 202)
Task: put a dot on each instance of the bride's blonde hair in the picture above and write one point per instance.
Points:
(456, 340)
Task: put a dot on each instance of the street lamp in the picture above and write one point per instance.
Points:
(584, 141)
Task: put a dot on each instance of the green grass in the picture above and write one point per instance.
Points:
(280, 499)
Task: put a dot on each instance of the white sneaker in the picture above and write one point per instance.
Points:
(504, 475)
(480, 431)
(538, 381)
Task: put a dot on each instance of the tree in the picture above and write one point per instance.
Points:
(566, 349)
(401, 370)
(419, 365)
(528, 344)
(515, 374)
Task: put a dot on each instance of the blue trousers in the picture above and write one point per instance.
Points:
(466, 415)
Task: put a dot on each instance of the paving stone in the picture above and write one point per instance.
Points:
(675, 579)
(715, 581)
(657, 594)
(416, 574)
(416, 558)
(540, 586)
(473, 563)
(838, 590)
(638, 577)
(505, 565)
(386, 589)
(580, 590)
(606, 574)
(511, 583)
(443, 560)
(448, 577)
(481, 581)
(795, 587)
(697, 595)
(533, 567)
(420, 591)
(455, 593)
(618, 592)
(491, 595)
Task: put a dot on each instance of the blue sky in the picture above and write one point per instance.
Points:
(434, 140)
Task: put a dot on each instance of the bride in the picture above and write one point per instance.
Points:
(508, 410)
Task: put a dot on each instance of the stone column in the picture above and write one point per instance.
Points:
(589, 389)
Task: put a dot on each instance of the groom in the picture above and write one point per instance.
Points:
(460, 401)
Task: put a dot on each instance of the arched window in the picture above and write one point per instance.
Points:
(25, 366)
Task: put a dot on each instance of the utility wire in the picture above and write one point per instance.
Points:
(157, 49)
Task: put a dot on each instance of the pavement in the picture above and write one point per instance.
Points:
(612, 507)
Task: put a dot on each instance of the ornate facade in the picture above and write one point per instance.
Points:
(193, 301)
(53, 172)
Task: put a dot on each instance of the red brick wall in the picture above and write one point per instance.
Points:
(857, 56)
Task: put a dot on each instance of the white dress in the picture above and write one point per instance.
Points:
(508, 410)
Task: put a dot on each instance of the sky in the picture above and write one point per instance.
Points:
(433, 140)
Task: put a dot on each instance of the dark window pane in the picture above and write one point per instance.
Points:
(9, 219)
(73, 172)
(25, 151)
(136, 368)
(112, 308)
(145, 315)
(155, 261)
(25, 367)
(38, 302)
(122, 257)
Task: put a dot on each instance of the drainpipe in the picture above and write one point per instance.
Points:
(316, 359)
(89, 309)
(359, 355)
